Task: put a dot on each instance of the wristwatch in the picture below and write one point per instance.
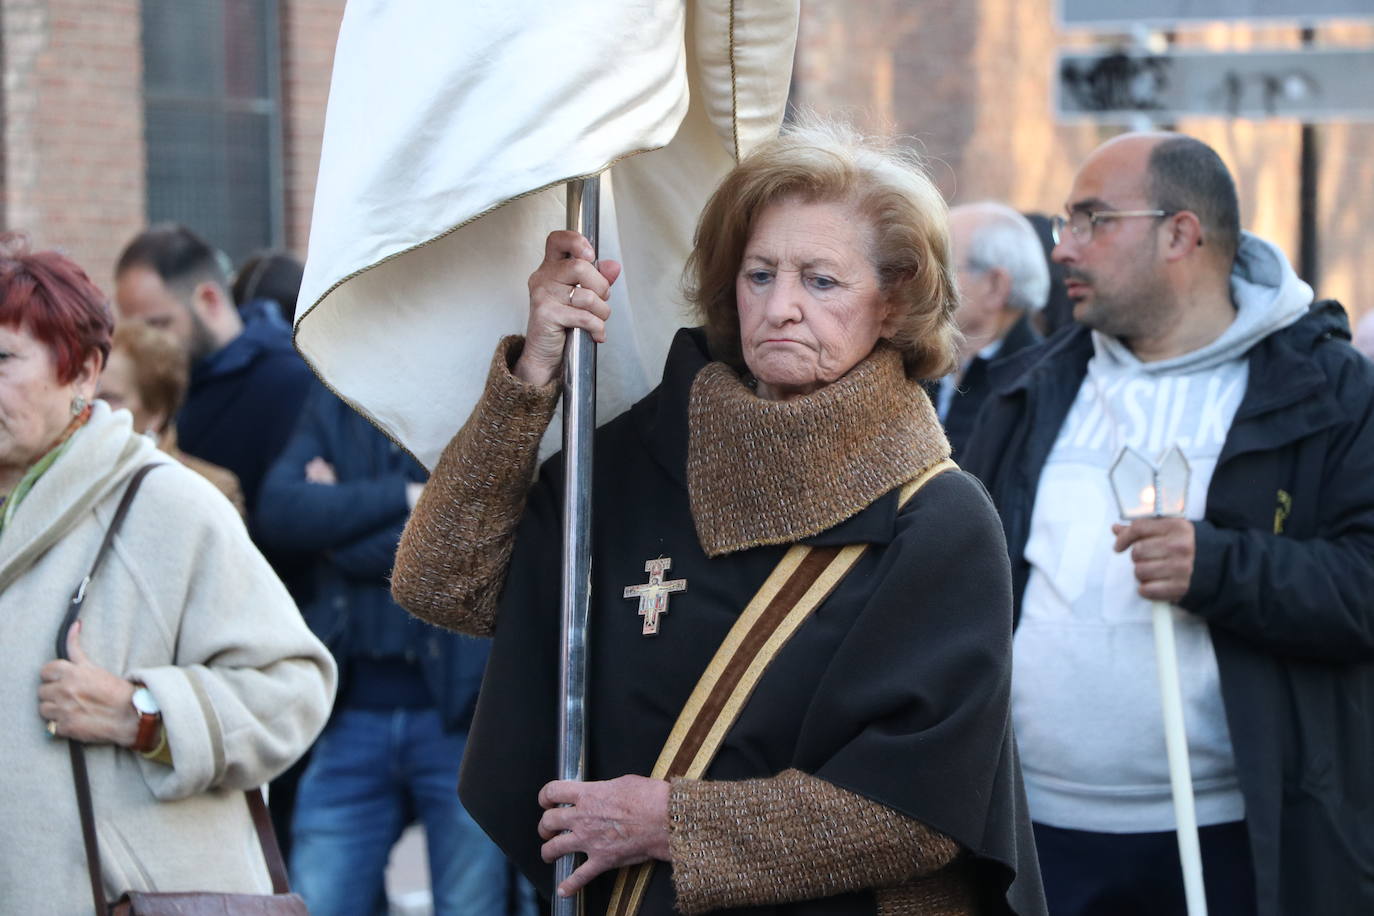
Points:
(149, 718)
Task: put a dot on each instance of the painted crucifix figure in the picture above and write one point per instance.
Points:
(653, 595)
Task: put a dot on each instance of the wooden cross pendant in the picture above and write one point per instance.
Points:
(653, 595)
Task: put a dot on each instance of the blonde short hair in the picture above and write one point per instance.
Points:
(828, 163)
(161, 373)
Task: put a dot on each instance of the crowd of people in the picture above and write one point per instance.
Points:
(861, 678)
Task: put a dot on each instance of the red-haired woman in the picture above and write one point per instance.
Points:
(191, 674)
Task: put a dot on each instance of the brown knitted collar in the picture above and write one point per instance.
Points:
(773, 472)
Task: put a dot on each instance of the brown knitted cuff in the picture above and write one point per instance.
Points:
(790, 837)
(453, 555)
(951, 891)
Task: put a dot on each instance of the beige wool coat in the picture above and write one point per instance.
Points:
(185, 604)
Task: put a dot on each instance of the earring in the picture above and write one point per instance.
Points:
(78, 404)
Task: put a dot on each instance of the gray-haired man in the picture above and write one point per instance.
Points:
(1003, 278)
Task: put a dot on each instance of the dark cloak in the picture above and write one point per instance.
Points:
(897, 687)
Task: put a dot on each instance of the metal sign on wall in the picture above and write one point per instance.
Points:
(1118, 14)
(1122, 88)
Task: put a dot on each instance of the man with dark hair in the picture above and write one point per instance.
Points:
(247, 383)
(267, 284)
(1185, 174)
(1196, 336)
(161, 273)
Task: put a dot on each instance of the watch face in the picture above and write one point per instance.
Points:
(144, 702)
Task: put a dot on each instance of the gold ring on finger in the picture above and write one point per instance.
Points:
(52, 728)
(575, 288)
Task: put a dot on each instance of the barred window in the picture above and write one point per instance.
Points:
(213, 119)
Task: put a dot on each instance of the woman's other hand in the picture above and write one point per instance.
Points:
(568, 290)
(84, 701)
(617, 822)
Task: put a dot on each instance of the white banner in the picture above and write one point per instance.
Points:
(450, 132)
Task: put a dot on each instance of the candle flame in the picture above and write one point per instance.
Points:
(1146, 505)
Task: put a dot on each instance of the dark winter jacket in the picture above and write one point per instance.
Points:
(976, 385)
(240, 408)
(242, 403)
(1284, 574)
(352, 527)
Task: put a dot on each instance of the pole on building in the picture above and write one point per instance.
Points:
(1307, 193)
(579, 422)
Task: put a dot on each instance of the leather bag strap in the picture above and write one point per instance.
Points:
(79, 595)
(262, 823)
(804, 578)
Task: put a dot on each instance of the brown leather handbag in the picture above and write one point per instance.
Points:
(281, 902)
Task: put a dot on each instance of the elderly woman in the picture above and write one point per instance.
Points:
(146, 374)
(867, 766)
(191, 674)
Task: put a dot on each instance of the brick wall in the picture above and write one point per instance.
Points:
(73, 126)
(309, 30)
(73, 165)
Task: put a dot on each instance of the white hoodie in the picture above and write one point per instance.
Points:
(1085, 695)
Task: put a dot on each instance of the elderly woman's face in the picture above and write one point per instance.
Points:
(809, 304)
(34, 406)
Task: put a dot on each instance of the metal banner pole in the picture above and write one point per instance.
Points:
(579, 422)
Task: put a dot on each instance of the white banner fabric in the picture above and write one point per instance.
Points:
(450, 131)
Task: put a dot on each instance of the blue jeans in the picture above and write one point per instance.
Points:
(370, 773)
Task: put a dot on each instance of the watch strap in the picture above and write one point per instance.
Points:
(148, 725)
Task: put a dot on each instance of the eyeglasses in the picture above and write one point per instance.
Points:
(1081, 222)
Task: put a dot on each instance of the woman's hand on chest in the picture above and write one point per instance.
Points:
(84, 702)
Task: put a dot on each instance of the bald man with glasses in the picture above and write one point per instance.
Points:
(1190, 334)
